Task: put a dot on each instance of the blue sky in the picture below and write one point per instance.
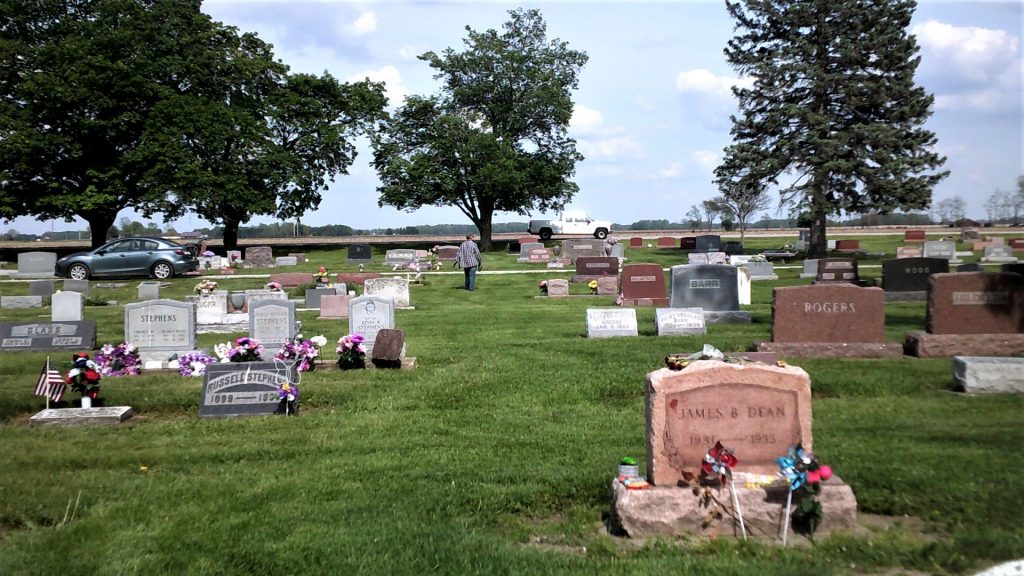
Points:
(652, 110)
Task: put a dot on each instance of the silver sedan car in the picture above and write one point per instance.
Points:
(155, 257)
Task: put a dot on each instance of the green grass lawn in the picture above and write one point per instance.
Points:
(493, 456)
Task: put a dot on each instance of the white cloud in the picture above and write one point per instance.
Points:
(392, 79)
(706, 160)
(366, 23)
(674, 170)
(703, 81)
(409, 53)
(975, 54)
(613, 147)
(585, 120)
(644, 104)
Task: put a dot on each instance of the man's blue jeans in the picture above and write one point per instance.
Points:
(470, 277)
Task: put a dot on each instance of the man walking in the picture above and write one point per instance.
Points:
(469, 259)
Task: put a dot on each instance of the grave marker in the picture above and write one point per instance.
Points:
(388, 348)
(36, 265)
(367, 315)
(909, 252)
(538, 255)
(837, 270)
(708, 243)
(259, 257)
(81, 286)
(608, 322)
(399, 257)
(13, 302)
(211, 308)
(666, 242)
(148, 291)
(608, 286)
(286, 261)
(712, 287)
(447, 253)
(244, 388)
(272, 323)
(592, 267)
(636, 242)
(43, 288)
(940, 249)
(673, 321)
(998, 253)
(314, 297)
(688, 243)
(574, 248)
(334, 307)
(914, 236)
(34, 336)
(911, 274)
(643, 285)
(526, 249)
(558, 288)
(67, 306)
(360, 253)
(395, 288)
(160, 328)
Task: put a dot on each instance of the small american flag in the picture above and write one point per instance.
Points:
(50, 382)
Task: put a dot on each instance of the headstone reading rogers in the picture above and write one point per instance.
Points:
(608, 322)
(34, 336)
(272, 323)
(367, 315)
(244, 388)
(160, 328)
(360, 253)
(837, 270)
(713, 287)
(259, 257)
(395, 288)
(592, 267)
(757, 410)
(67, 306)
(643, 285)
(573, 248)
(673, 321)
(828, 313)
(36, 265)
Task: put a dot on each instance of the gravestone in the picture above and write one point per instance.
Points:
(253, 296)
(314, 296)
(643, 285)
(14, 302)
(617, 251)
(526, 249)
(910, 275)
(608, 286)
(148, 291)
(847, 245)
(367, 315)
(732, 248)
(244, 388)
(985, 374)
(573, 248)
(636, 242)
(514, 248)
(914, 236)
(286, 261)
(73, 417)
(837, 270)
(940, 249)
(971, 314)
(447, 253)
(67, 306)
(388, 348)
(558, 288)
(160, 328)
(538, 255)
(810, 268)
(739, 259)
(81, 286)
(969, 235)
(395, 288)
(211, 308)
(43, 288)
(272, 323)
(708, 243)
(758, 410)
(972, 267)
(525, 240)
(1016, 244)
(909, 252)
(688, 243)
(761, 270)
(36, 265)
(399, 257)
(355, 278)
(360, 253)
(608, 322)
(999, 253)
(30, 336)
(743, 285)
(713, 287)
(674, 321)
(292, 279)
(300, 257)
(259, 257)
(666, 242)
(334, 307)
(592, 267)
(234, 256)
(697, 258)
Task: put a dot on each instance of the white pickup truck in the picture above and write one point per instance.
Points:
(570, 223)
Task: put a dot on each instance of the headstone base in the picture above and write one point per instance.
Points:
(659, 302)
(924, 345)
(979, 375)
(907, 296)
(111, 415)
(673, 511)
(806, 276)
(726, 317)
(577, 278)
(833, 349)
(757, 278)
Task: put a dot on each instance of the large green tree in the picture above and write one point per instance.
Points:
(79, 82)
(833, 106)
(495, 137)
(251, 139)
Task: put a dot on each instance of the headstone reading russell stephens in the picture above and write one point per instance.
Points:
(244, 388)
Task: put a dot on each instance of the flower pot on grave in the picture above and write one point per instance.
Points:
(86, 402)
(351, 364)
(238, 301)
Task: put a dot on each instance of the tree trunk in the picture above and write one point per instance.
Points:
(484, 225)
(99, 225)
(230, 234)
(818, 244)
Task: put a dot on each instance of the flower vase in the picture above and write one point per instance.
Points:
(86, 402)
(238, 301)
(348, 364)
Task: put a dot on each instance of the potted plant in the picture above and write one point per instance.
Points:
(302, 351)
(351, 352)
(120, 360)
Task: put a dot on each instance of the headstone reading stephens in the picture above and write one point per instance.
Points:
(360, 253)
(67, 306)
(713, 287)
(34, 336)
(837, 270)
(643, 285)
(160, 328)
(673, 321)
(36, 265)
(395, 288)
(590, 268)
(367, 315)
(272, 323)
(607, 322)
(910, 276)
(244, 388)
(259, 257)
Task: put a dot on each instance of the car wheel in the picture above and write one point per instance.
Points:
(78, 272)
(601, 234)
(162, 270)
(545, 234)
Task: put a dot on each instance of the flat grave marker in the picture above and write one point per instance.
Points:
(609, 322)
(676, 321)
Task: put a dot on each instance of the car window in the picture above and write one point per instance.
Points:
(122, 246)
(147, 245)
